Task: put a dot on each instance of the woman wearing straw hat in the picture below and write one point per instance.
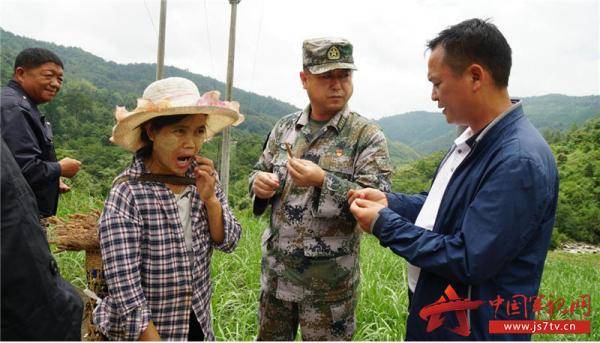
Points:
(164, 215)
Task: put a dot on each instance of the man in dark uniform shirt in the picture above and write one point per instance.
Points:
(37, 78)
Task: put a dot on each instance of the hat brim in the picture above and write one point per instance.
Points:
(127, 133)
(323, 68)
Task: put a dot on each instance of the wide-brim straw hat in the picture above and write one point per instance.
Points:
(173, 96)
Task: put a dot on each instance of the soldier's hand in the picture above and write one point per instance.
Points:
(69, 167)
(365, 212)
(368, 194)
(305, 173)
(265, 184)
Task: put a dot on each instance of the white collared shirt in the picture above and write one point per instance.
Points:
(426, 218)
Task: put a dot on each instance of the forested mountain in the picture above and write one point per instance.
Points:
(127, 81)
(82, 118)
(105, 84)
(577, 155)
(82, 113)
(93, 86)
(426, 132)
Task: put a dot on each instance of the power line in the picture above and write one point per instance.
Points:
(260, 21)
(212, 63)
(150, 17)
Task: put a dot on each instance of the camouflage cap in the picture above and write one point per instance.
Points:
(320, 55)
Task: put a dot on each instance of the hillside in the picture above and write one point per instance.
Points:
(82, 117)
(401, 153)
(105, 84)
(82, 113)
(410, 135)
(426, 132)
(129, 80)
(578, 159)
(577, 154)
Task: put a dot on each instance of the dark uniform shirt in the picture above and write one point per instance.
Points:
(29, 137)
(37, 304)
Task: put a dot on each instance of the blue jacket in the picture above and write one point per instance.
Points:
(29, 138)
(491, 234)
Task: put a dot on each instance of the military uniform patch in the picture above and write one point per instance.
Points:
(333, 53)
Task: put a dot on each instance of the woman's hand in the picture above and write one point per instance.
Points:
(206, 178)
(150, 334)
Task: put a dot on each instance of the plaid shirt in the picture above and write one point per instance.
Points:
(146, 265)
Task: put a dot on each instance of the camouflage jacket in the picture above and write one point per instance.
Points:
(311, 222)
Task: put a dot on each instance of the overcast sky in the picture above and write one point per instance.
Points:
(555, 43)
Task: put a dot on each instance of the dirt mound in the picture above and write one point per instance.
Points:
(78, 232)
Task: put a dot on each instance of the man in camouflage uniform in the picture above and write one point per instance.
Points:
(310, 270)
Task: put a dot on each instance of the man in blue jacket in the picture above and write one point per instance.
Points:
(37, 78)
(479, 238)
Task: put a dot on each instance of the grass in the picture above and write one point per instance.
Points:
(381, 312)
(569, 276)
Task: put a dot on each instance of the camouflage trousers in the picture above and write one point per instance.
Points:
(319, 321)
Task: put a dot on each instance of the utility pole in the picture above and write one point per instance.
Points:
(161, 40)
(225, 143)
